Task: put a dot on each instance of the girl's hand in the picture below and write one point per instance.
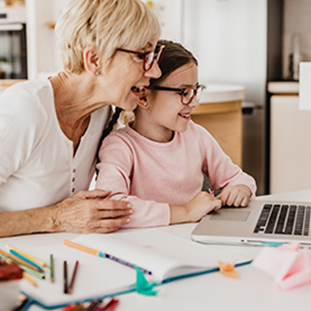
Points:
(235, 196)
(200, 205)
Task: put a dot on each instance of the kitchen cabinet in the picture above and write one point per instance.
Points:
(290, 136)
(220, 112)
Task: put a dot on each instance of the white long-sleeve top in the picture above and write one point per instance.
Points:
(37, 165)
(153, 175)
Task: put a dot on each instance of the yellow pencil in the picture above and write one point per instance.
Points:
(29, 279)
(18, 260)
(34, 259)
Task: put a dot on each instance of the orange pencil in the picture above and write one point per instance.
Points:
(83, 248)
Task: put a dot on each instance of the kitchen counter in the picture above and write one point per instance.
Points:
(283, 87)
(215, 93)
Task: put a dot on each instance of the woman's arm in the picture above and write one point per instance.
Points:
(85, 212)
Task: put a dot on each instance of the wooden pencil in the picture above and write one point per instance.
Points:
(29, 279)
(51, 268)
(65, 278)
(32, 258)
(19, 261)
(70, 288)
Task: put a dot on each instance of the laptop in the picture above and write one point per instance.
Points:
(260, 223)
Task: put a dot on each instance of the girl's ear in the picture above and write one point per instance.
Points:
(91, 61)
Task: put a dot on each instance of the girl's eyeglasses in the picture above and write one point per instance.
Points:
(148, 57)
(187, 93)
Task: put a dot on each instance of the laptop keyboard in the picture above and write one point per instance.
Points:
(284, 219)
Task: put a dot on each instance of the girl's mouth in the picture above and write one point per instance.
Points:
(185, 116)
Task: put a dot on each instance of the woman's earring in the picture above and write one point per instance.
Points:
(96, 73)
(145, 104)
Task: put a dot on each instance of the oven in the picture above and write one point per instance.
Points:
(13, 45)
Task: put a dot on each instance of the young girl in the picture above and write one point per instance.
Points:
(156, 162)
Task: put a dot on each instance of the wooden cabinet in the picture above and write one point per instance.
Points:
(224, 121)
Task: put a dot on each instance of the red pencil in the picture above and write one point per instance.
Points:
(70, 288)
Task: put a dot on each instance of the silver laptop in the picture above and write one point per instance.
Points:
(260, 223)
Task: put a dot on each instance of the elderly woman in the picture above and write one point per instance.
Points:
(50, 129)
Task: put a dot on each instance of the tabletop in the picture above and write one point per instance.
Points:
(255, 290)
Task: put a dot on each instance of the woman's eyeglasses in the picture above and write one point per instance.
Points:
(148, 57)
(187, 93)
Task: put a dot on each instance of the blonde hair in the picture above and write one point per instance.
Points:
(105, 25)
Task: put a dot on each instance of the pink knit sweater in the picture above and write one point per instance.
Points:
(152, 175)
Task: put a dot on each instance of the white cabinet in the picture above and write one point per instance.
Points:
(290, 145)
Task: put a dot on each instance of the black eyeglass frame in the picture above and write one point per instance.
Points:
(180, 91)
(157, 55)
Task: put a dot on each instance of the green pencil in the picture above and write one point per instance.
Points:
(35, 273)
(51, 268)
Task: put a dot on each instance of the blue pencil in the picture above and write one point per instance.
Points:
(12, 251)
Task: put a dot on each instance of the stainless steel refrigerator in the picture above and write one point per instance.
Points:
(240, 42)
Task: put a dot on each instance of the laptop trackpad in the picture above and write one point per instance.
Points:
(230, 215)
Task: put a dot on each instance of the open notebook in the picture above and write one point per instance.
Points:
(167, 256)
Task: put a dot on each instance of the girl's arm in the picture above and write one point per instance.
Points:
(221, 171)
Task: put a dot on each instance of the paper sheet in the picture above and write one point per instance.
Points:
(288, 266)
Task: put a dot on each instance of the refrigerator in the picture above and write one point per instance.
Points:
(240, 42)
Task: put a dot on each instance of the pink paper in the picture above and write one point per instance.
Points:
(288, 267)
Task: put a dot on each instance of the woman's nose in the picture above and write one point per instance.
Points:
(154, 72)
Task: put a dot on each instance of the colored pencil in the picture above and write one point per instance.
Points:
(103, 255)
(110, 306)
(29, 279)
(39, 262)
(65, 278)
(93, 305)
(51, 268)
(17, 254)
(29, 270)
(70, 288)
(18, 260)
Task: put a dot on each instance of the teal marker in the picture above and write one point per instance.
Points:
(273, 244)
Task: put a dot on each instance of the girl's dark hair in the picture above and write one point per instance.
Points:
(175, 56)
(107, 130)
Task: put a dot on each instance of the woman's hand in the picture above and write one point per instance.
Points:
(235, 196)
(86, 212)
(200, 205)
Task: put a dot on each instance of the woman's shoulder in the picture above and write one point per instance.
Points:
(28, 98)
(28, 104)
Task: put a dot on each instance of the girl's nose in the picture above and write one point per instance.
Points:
(194, 103)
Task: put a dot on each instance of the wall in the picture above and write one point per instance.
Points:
(297, 20)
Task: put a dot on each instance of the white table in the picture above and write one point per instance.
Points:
(254, 291)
